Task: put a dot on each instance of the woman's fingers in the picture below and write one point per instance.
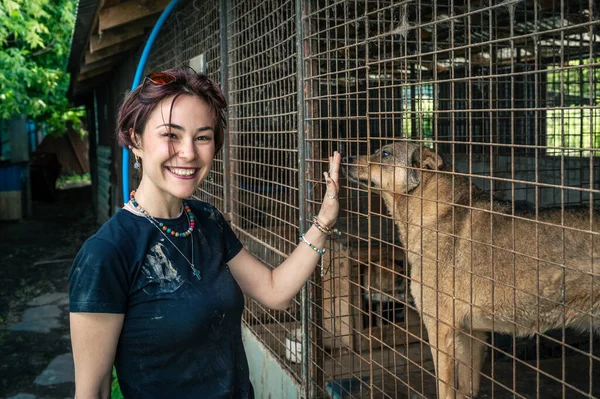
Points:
(332, 175)
(329, 211)
(334, 165)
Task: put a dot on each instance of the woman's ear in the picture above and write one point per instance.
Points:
(135, 139)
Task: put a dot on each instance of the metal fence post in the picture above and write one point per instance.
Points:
(302, 192)
(224, 7)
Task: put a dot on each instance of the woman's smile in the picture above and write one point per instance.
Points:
(177, 151)
(183, 173)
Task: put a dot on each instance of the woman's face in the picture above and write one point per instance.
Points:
(177, 150)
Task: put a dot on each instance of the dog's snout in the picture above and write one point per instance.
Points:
(348, 160)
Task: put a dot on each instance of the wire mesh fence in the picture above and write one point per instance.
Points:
(468, 262)
(264, 150)
(193, 31)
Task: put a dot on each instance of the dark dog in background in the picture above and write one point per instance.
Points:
(474, 268)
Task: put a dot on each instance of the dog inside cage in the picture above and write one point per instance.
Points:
(473, 126)
(494, 271)
(468, 263)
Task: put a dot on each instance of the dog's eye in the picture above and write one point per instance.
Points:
(385, 154)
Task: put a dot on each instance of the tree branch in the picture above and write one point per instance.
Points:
(45, 49)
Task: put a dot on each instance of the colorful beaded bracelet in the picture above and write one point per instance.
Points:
(319, 251)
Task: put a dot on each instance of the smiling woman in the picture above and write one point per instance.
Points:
(177, 155)
(159, 290)
(173, 122)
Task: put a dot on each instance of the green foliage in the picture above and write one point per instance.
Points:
(65, 181)
(35, 40)
(573, 122)
(578, 81)
(115, 390)
(568, 130)
(418, 112)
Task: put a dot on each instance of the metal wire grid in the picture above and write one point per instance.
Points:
(357, 311)
(264, 150)
(507, 90)
(335, 114)
(475, 79)
(194, 29)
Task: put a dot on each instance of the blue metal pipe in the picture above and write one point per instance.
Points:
(136, 81)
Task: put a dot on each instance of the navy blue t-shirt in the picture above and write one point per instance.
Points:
(181, 336)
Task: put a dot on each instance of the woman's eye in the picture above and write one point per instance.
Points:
(204, 138)
(170, 135)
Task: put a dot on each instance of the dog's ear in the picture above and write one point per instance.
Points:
(427, 159)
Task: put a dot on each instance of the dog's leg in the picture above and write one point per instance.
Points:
(469, 358)
(447, 341)
(441, 340)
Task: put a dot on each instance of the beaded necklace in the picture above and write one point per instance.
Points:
(161, 225)
(168, 231)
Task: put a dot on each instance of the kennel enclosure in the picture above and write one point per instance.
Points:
(506, 92)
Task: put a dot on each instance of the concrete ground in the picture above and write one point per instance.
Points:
(35, 257)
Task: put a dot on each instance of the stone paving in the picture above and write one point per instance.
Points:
(43, 315)
(35, 257)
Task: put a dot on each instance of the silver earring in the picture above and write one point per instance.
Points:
(137, 163)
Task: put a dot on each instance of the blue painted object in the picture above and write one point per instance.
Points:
(10, 192)
(345, 387)
(32, 135)
(10, 177)
(136, 81)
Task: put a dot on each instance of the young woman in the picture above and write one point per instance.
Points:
(158, 290)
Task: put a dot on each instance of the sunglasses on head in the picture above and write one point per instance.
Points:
(160, 78)
(165, 78)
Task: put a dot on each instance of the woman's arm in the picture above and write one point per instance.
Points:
(94, 337)
(275, 288)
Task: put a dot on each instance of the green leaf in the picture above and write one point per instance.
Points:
(36, 85)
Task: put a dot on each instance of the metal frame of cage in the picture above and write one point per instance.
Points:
(507, 90)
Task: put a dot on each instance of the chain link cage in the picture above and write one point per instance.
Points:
(469, 259)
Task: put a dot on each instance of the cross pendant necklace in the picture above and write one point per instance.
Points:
(196, 273)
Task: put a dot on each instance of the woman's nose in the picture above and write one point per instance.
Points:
(187, 150)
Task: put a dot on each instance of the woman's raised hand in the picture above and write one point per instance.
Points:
(331, 206)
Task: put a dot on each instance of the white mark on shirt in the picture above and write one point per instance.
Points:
(159, 269)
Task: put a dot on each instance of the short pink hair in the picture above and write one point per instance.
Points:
(139, 103)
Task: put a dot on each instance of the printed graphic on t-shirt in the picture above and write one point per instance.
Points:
(158, 269)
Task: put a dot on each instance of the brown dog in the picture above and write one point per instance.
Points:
(474, 268)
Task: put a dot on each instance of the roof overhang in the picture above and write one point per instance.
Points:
(105, 31)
